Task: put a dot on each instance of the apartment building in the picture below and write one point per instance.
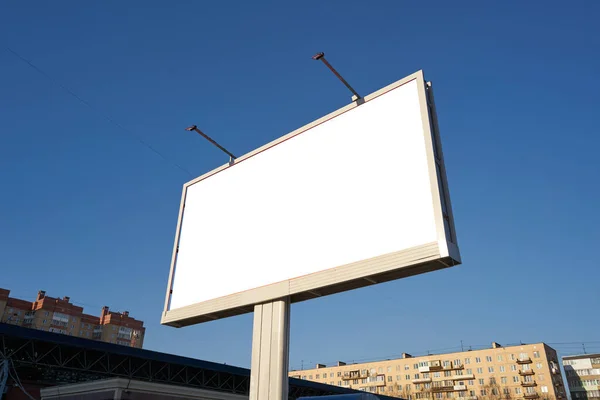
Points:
(583, 376)
(59, 315)
(527, 371)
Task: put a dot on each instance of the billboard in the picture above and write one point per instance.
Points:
(355, 198)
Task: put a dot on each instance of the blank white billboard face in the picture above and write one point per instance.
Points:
(338, 204)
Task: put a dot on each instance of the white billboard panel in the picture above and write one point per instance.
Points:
(355, 198)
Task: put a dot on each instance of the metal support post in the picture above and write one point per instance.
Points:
(270, 351)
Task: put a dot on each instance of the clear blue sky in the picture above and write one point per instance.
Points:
(88, 211)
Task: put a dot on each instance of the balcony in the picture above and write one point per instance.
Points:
(463, 377)
(422, 380)
(348, 376)
(526, 372)
(528, 384)
(531, 395)
(525, 360)
(458, 388)
(443, 388)
(56, 322)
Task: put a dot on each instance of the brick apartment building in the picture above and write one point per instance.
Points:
(583, 376)
(521, 372)
(61, 316)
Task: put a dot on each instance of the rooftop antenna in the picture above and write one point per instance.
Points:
(205, 136)
(321, 56)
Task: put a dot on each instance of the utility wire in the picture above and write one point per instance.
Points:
(103, 115)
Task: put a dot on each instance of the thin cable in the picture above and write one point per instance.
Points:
(15, 378)
(105, 116)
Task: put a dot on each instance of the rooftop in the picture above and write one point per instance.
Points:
(581, 356)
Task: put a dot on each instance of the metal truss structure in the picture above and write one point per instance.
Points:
(52, 359)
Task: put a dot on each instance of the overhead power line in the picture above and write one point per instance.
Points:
(94, 109)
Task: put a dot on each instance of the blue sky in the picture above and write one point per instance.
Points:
(87, 210)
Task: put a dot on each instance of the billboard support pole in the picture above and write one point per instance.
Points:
(321, 56)
(270, 351)
(205, 136)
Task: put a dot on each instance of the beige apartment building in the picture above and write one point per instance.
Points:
(583, 376)
(61, 316)
(527, 371)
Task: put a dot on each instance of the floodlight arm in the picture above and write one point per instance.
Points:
(205, 136)
(321, 56)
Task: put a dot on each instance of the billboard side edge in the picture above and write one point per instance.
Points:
(437, 173)
(175, 250)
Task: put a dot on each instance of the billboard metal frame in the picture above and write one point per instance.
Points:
(429, 257)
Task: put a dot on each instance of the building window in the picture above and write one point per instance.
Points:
(339, 374)
(380, 370)
(416, 376)
(506, 390)
(437, 374)
(457, 362)
(480, 370)
(541, 377)
(490, 369)
(469, 371)
(512, 357)
(407, 377)
(318, 376)
(539, 365)
(389, 369)
(515, 379)
(481, 381)
(446, 364)
(488, 358)
(398, 367)
(471, 382)
(492, 381)
(389, 378)
(502, 369)
(477, 360)
(513, 367)
(500, 358)
(467, 361)
(447, 373)
(43, 322)
(415, 366)
(483, 392)
(518, 390)
(46, 314)
(503, 380)
(398, 377)
(406, 367)
(536, 354)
